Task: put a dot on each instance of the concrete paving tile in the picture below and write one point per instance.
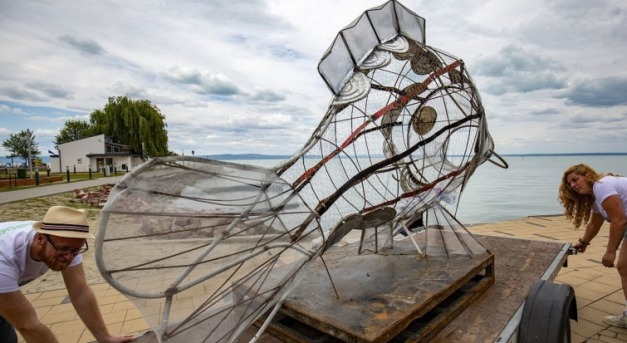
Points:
(59, 317)
(182, 303)
(581, 302)
(611, 339)
(100, 293)
(111, 292)
(87, 337)
(616, 330)
(123, 305)
(609, 279)
(152, 279)
(61, 308)
(608, 334)
(589, 274)
(575, 338)
(607, 306)
(67, 327)
(100, 286)
(70, 337)
(132, 314)
(106, 308)
(617, 297)
(622, 336)
(116, 328)
(570, 278)
(589, 294)
(110, 299)
(41, 311)
(50, 301)
(114, 317)
(50, 294)
(32, 296)
(586, 328)
(593, 315)
(601, 287)
(134, 325)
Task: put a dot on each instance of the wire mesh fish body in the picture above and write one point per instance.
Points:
(204, 248)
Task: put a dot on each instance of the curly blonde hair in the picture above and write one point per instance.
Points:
(577, 207)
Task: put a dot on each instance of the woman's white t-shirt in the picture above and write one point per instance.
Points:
(608, 186)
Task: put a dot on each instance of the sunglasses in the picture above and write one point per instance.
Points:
(66, 251)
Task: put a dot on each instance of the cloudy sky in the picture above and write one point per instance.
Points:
(239, 76)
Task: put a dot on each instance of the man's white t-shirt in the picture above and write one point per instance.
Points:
(608, 186)
(17, 268)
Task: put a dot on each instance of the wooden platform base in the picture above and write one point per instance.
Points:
(519, 263)
(382, 298)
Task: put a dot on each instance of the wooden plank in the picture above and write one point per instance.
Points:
(381, 295)
(518, 264)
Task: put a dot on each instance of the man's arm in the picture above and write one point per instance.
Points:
(84, 301)
(17, 310)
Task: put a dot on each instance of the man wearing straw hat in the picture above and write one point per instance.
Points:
(27, 250)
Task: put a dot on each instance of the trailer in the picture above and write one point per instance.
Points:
(508, 296)
(511, 299)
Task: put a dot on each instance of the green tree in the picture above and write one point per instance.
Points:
(73, 130)
(18, 145)
(137, 123)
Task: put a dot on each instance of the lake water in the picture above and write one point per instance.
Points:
(527, 188)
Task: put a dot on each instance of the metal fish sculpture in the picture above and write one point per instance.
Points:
(204, 248)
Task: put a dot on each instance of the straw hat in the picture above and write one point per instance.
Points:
(64, 222)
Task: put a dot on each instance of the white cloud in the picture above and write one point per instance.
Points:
(240, 76)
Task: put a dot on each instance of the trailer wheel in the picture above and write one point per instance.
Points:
(547, 313)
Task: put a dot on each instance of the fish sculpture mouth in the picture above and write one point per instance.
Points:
(222, 243)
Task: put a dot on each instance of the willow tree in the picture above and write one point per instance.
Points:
(137, 123)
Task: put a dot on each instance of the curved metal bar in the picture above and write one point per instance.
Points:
(501, 161)
(125, 290)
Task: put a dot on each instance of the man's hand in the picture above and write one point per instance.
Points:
(84, 301)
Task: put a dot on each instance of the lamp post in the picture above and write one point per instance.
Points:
(29, 134)
(59, 153)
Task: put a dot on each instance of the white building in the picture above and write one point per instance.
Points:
(96, 152)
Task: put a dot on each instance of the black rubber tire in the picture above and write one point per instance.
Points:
(547, 313)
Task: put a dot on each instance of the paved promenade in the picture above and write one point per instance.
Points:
(56, 188)
(598, 291)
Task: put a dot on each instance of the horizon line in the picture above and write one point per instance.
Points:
(508, 154)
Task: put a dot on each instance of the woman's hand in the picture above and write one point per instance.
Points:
(608, 259)
(580, 247)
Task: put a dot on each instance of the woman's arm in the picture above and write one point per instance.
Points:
(592, 229)
(614, 208)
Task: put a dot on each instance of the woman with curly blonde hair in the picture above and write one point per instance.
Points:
(590, 198)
